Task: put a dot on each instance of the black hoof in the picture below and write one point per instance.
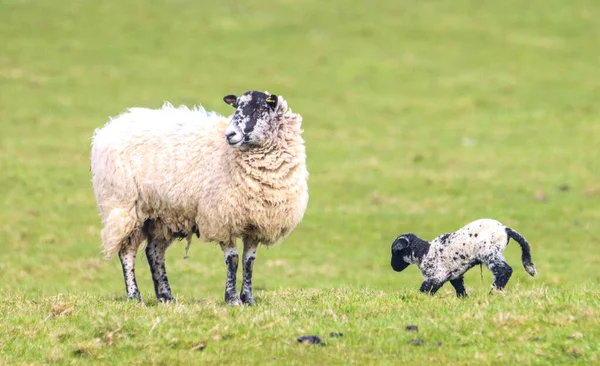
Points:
(495, 289)
(247, 299)
(232, 299)
(165, 298)
(135, 297)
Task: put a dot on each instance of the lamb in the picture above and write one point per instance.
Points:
(449, 256)
(166, 174)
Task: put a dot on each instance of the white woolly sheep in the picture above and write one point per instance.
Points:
(449, 256)
(164, 174)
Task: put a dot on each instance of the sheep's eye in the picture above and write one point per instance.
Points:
(260, 108)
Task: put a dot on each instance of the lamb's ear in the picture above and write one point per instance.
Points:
(231, 99)
(272, 101)
(400, 243)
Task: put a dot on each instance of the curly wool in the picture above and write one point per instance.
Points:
(173, 165)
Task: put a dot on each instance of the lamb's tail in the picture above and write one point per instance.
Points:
(526, 251)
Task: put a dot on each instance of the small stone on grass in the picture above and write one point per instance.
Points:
(417, 342)
(309, 340)
(199, 347)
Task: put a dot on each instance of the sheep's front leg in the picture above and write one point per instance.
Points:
(127, 256)
(430, 286)
(250, 245)
(459, 286)
(155, 252)
(231, 260)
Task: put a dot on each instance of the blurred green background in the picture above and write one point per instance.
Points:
(418, 116)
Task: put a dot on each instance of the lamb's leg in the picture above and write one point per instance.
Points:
(430, 286)
(459, 286)
(250, 245)
(127, 256)
(502, 272)
(231, 260)
(155, 252)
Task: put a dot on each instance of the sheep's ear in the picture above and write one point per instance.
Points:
(400, 243)
(231, 99)
(272, 101)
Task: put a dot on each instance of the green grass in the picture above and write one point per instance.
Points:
(544, 325)
(418, 116)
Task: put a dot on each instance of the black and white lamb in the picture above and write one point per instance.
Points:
(449, 256)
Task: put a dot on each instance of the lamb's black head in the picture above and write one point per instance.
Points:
(408, 249)
(252, 122)
(401, 249)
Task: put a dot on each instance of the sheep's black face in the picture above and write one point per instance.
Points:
(251, 125)
(400, 250)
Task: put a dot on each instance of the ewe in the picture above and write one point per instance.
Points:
(160, 175)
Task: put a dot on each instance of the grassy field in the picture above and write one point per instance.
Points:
(418, 116)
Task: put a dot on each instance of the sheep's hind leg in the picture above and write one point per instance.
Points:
(459, 286)
(155, 253)
(127, 256)
(502, 272)
(250, 245)
(231, 260)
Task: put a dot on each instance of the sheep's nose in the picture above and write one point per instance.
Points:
(230, 134)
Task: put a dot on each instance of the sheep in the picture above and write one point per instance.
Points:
(166, 174)
(449, 256)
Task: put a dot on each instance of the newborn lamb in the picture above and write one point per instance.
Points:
(449, 256)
